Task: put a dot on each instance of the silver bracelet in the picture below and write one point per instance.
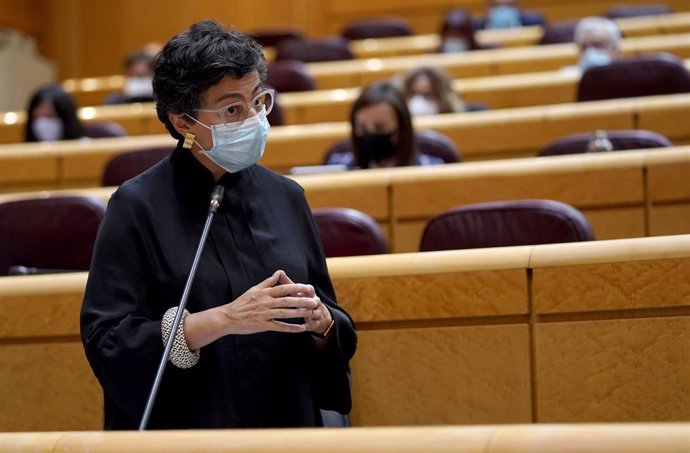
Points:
(180, 355)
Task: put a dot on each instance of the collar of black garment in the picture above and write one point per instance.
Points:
(194, 182)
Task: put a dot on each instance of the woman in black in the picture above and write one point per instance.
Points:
(239, 358)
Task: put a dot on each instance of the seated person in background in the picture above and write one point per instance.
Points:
(503, 14)
(382, 133)
(51, 115)
(457, 32)
(428, 91)
(138, 86)
(599, 41)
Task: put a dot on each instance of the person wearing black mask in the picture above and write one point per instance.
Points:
(382, 133)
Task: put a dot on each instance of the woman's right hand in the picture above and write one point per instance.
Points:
(259, 309)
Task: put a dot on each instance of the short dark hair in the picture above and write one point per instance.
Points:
(385, 92)
(64, 107)
(195, 60)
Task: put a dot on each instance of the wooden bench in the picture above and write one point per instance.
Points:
(481, 63)
(564, 333)
(486, 135)
(624, 194)
(589, 438)
(512, 37)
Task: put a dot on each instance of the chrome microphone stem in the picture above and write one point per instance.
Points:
(216, 198)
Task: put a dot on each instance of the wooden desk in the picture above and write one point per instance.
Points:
(564, 333)
(623, 195)
(589, 438)
(486, 135)
(481, 63)
(512, 37)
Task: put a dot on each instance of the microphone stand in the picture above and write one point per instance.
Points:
(216, 197)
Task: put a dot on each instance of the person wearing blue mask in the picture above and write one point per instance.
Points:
(598, 40)
(263, 342)
(503, 14)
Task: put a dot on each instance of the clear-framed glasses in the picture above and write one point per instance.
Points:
(238, 111)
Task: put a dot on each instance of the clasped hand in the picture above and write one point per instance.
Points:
(262, 307)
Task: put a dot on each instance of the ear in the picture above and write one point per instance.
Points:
(180, 122)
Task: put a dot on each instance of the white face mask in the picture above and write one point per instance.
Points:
(237, 146)
(139, 87)
(47, 129)
(451, 45)
(594, 57)
(419, 106)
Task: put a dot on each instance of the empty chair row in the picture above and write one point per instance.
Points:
(57, 234)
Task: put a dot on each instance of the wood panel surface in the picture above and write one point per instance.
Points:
(445, 337)
(613, 370)
(587, 438)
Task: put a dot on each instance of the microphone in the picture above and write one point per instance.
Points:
(216, 198)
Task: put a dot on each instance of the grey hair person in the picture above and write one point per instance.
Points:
(193, 61)
(588, 25)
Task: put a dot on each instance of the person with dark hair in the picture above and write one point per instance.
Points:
(382, 132)
(457, 32)
(428, 91)
(263, 342)
(51, 115)
(139, 83)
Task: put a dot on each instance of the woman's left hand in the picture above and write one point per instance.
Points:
(319, 318)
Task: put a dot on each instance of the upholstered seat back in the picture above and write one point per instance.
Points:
(290, 75)
(505, 223)
(313, 50)
(127, 165)
(50, 234)
(637, 76)
(384, 27)
(621, 140)
(618, 12)
(103, 129)
(347, 232)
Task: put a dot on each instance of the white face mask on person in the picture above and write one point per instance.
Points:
(594, 57)
(451, 45)
(419, 106)
(237, 146)
(47, 129)
(139, 87)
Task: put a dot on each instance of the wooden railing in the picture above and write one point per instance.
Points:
(623, 194)
(507, 133)
(563, 333)
(480, 63)
(591, 438)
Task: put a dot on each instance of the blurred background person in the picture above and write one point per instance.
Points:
(428, 91)
(598, 40)
(508, 14)
(139, 71)
(52, 116)
(457, 32)
(382, 132)
(503, 14)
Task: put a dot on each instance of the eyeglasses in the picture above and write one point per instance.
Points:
(238, 111)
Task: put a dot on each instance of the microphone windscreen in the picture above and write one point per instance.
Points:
(217, 194)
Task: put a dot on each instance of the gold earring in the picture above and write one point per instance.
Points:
(188, 140)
